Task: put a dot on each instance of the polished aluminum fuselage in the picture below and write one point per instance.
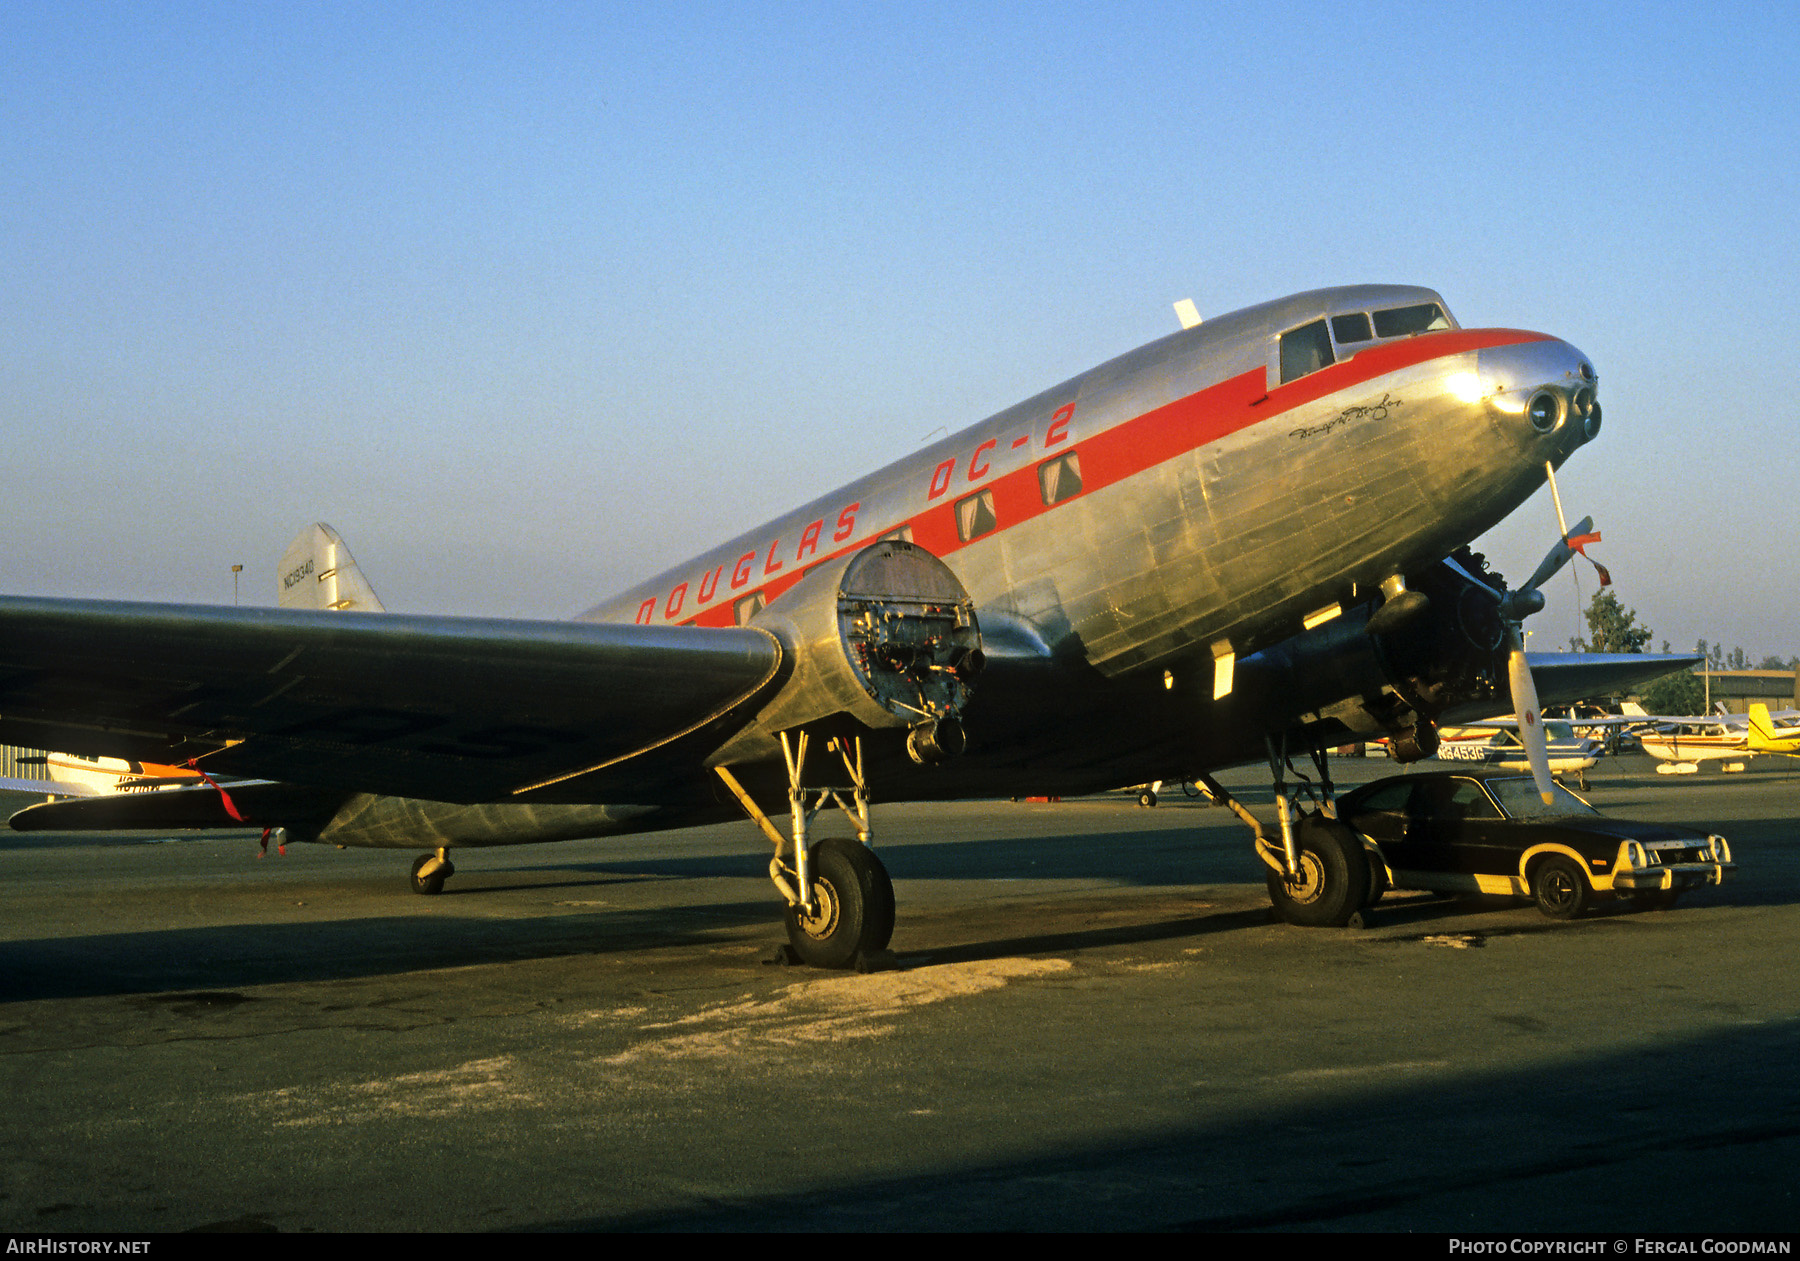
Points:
(1221, 509)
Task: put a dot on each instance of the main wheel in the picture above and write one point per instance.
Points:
(1560, 888)
(1333, 880)
(853, 906)
(434, 883)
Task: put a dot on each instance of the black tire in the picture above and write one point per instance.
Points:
(434, 883)
(1560, 888)
(1378, 877)
(853, 901)
(1334, 876)
(1146, 799)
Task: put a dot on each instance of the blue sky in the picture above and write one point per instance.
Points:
(530, 301)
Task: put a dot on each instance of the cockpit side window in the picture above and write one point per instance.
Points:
(1305, 349)
(1404, 321)
(1348, 329)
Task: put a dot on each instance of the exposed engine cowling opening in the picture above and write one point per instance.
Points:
(887, 636)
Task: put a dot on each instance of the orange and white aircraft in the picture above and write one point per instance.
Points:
(1241, 542)
(1681, 744)
(88, 775)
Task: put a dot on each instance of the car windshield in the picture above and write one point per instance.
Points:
(1519, 798)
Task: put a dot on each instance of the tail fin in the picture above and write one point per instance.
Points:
(1762, 729)
(318, 572)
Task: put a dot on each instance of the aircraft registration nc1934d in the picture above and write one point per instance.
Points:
(1245, 540)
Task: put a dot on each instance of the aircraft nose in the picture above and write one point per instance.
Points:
(1545, 392)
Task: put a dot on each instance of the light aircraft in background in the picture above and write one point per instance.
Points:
(1681, 744)
(1244, 541)
(1497, 743)
(86, 775)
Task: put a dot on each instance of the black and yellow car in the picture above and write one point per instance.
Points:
(1490, 832)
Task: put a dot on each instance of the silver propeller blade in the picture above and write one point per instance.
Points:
(1559, 555)
(1531, 718)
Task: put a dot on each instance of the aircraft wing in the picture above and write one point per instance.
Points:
(1562, 677)
(450, 709)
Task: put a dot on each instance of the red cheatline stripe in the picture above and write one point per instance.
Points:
(1154, 438)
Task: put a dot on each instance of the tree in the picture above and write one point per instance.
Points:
(1676, 694)
(1613, 627)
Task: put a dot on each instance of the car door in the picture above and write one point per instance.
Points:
(1445, 831)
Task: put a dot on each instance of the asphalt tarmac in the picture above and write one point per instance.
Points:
(1094, 1025)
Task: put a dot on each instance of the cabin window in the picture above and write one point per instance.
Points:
(748, 607)
(899, 534)
(1305, 349)
(1404, 321)
(975, 515)
(1348, 329)
(1060, 479)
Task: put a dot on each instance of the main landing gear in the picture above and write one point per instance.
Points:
(840, 902)
(1319, 873)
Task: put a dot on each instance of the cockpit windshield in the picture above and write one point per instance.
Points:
(1404, 321)
(1320, 344)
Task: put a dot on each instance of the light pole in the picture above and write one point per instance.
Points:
(235, 571)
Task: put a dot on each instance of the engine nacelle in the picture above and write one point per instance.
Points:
(1390, 670)
(888, 636)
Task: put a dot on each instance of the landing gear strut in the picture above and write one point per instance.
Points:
(1320, 873)
(429, 871)
(840, 901)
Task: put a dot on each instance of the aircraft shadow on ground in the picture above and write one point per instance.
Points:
(1555, 1147)
(240, 955)
(1125, 856)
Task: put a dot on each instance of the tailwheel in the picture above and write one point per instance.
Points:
(1331, 881)
(429, 871)
(852, 906)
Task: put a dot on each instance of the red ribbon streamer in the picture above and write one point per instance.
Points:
(230, 806)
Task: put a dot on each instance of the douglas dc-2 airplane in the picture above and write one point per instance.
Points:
(1244, 540)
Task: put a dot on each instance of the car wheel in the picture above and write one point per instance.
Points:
(1560, 888)
(1378, 878)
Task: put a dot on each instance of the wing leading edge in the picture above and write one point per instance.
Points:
(449, 709)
